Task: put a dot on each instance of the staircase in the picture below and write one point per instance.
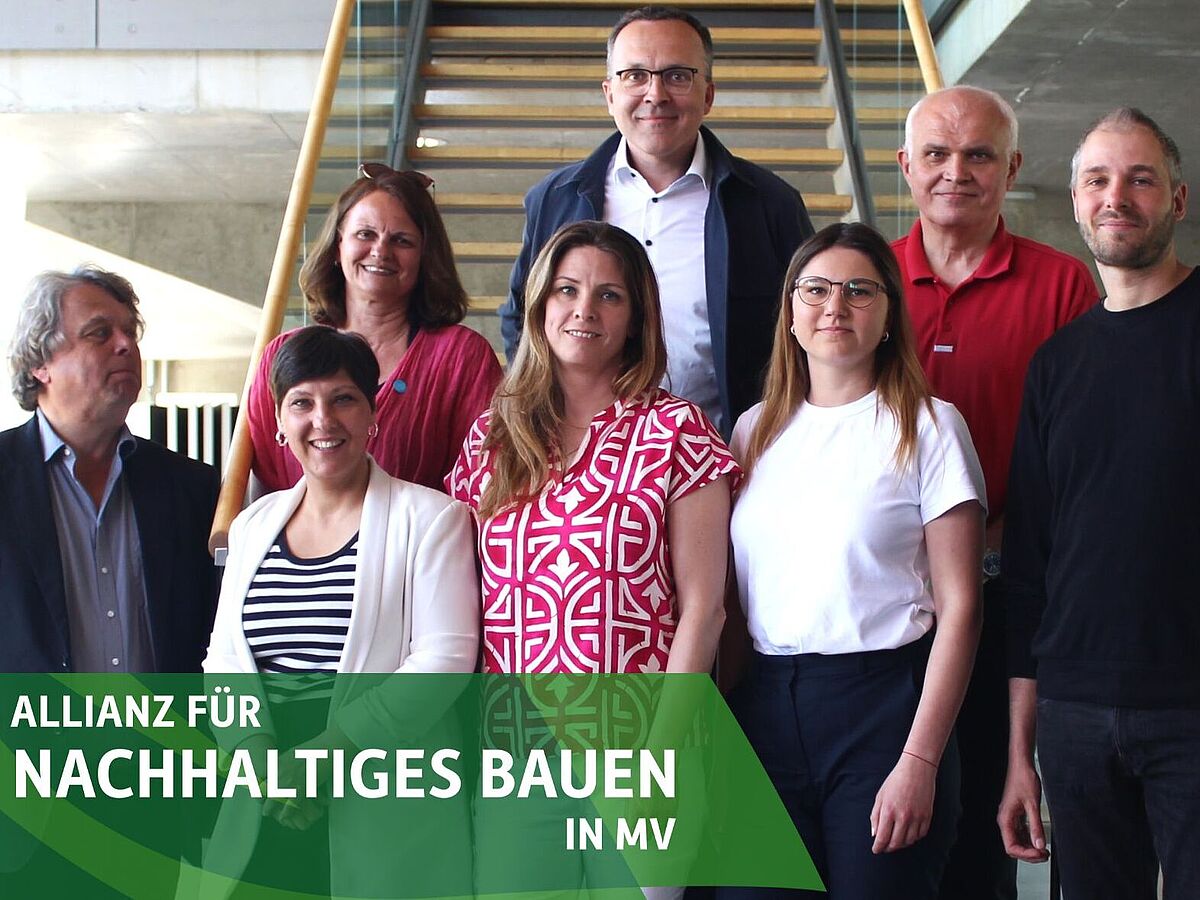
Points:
(507, 91)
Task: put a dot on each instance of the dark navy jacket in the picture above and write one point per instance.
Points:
(754, 223)
(173, 502)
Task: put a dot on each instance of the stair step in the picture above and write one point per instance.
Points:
(884, 74)
(812, 116)
(374, 68)
(594, 37)
(363, 111)
(586, 73)
(486, 304)
(374, 33)
(353, 153)
(795, 157)
(485, 249)
(592, 73)
(511, 203)
(792, 115)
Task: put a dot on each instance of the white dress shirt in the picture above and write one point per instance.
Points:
(670, 226)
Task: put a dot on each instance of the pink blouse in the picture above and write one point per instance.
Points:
(579, 579)
(425, 407)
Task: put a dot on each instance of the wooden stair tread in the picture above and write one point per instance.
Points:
(825, 157)
(365, 110)
(487, 304)
(372, 69)
(594, 72)
(816, 115)
(446, 201)
(598, 35)
(476, 249)
(355, 152)
(884, 74)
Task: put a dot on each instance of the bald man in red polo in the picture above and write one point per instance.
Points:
(982, 301)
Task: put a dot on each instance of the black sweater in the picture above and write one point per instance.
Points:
(1102, 529)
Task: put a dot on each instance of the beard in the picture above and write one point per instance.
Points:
(1120, 254)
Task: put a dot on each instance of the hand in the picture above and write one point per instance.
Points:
(299, 812)
(1020, 815)
(904, 805)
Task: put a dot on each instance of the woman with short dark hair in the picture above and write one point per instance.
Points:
(383, 266)
(388, 561)
(349, 571)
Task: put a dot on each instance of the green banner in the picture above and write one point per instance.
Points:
(372, 786)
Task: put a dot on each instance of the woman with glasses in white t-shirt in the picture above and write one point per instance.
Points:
(857, 543)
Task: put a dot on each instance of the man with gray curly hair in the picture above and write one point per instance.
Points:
(103, 558)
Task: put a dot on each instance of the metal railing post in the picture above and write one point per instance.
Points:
(408, 84)
(831, 35)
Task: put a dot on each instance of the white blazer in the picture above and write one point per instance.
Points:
(416, 596)
(416, 609)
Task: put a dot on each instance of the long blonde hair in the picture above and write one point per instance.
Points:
(899, 378)
(528, 407)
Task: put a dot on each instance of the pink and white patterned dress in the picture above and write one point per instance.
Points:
(579, 579)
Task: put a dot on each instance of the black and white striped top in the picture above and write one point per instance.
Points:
(297, 611)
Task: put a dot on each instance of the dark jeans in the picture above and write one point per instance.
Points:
(829, 730)
(1123, 786)
(978, 868)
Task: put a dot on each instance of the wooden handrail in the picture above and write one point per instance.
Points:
(918, 26)
(237, 466)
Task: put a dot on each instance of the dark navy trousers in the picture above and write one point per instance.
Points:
(829, 730)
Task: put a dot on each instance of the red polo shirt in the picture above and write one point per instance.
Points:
(975, 341)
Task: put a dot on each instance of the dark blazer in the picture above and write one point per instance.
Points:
(173, 500)
(754, 223)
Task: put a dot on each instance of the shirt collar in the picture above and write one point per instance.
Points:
(698, 166)
(997, 260)
(52, 443)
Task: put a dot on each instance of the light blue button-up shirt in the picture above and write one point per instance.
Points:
(101, 560)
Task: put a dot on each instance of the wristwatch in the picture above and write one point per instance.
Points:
(991, 564)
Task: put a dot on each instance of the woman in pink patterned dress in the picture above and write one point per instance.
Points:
(602, 500)
(382, 266)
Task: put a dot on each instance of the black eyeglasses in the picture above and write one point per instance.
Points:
(676, 79)
(380, 170)
(860, 293)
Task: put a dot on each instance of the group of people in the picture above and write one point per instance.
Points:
(941, 531)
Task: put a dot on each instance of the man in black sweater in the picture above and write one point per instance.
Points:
(1100, 544)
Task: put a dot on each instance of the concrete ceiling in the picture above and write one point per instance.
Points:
(231, 156)
(1064, 63)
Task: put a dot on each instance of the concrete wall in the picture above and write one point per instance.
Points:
(227, 247)
(164, 24)
(1048, 218)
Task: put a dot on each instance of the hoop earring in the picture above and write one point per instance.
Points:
(280, 437)
(373, 430)
(886, 336)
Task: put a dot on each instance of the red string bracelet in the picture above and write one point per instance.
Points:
(921, 758)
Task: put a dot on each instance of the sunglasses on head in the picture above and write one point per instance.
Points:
(380, 170)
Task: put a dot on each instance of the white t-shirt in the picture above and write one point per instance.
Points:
(828, 539)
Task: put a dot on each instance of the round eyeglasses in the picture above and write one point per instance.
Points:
(860, 293)
(676, 79)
